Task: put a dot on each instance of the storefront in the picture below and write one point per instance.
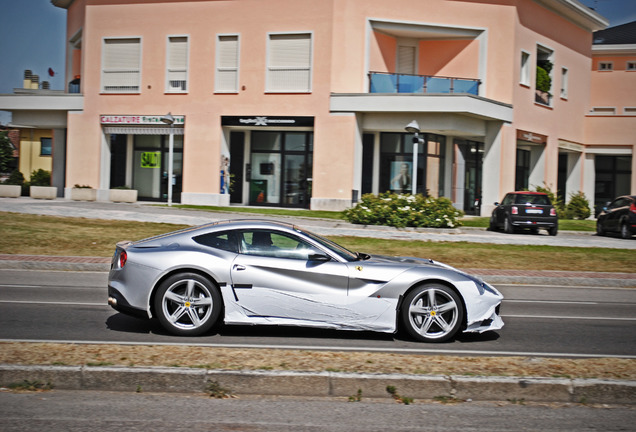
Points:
(139, 155)
(270, 160)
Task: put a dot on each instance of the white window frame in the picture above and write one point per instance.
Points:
(565, 82)
(605, 66)
(134, 84)
(630, 66)
(177, 72)
(223, 69)
(630, 111)
(524, 68)
(271, 85)
(548, 52)
(603, 111)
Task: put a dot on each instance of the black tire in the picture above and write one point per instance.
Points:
(188, 304)
(508, 227)
(599, 229)
(492, 226)
(553, 230)
(432, 313)
(626, 232)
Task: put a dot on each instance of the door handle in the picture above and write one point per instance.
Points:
(238, 267)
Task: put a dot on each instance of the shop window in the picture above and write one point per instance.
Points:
(289, 63)
(227, 64)
(46, 146)
(177, 64)
(121, 65)
(522, 171)
(605, 66)
(524, 77)
(631, 66)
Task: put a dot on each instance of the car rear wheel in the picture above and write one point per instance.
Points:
(187, 304)
(432, 313)
(508, 228)
(553, 231)
(625, 231)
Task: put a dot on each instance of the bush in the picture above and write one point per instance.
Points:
(41, 178)
(404, 210)
(16, 178)
(578, 207)
(556, 200)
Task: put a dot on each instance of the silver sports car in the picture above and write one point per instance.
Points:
(263, 272)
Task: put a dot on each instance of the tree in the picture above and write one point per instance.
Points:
(7, 160)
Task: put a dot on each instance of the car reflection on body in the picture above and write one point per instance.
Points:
(263, 272)
(531, 210)
(619, 216)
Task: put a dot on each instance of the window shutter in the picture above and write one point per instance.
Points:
(121, 65)
(177, 63)
(227, 64)
(406, 60)
(289, 67)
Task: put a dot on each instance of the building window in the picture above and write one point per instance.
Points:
(544, 76)
(524, 77)
(564, 83)
(629, 111)
(605, 66)
(177, 64)
(121, 65)
(289, 63)
(603, 111)
(631, 66)
(46, 146)
(227, 64)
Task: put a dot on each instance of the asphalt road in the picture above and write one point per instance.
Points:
(540, 320)
(109, 411)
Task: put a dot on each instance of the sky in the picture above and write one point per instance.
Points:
(33, 33)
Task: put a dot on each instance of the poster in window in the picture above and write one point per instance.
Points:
(401, 180)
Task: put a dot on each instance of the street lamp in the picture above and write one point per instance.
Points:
(414, 128)
(169, 119)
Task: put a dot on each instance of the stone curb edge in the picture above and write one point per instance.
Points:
(323, 384)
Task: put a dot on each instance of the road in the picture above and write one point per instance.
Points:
(109, 411)
(540, 320)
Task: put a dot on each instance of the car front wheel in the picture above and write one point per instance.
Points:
(187, 304)
(432, 313)
(625, 231)
(599, 229)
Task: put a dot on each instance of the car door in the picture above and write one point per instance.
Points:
(277, 276)
(614, 211)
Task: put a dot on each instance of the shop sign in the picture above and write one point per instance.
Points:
(151, 160)
(138, 120)
(267, 121)
(531, 137)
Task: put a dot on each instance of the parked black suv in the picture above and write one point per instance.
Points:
(618, 216)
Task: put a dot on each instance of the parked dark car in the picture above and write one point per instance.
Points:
(618, 216)
(531, 210)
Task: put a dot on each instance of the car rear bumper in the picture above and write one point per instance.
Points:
(534, 222)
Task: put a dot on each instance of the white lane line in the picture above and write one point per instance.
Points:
(20, 286)
(551, 302)
(583, 318)
(54, 303)
(335, 348)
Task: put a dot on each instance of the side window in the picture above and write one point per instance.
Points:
(275, 244)
(224, 240)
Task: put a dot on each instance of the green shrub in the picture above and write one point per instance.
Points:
(555, 199)
(400, 210)
(7, 160)
(41, 178)
(16, 178)
(578, 207)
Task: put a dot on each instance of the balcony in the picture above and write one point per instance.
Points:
(380, 82)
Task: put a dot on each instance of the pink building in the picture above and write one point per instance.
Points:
(305, 103)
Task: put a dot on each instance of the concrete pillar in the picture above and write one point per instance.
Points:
(493, 147)
(573, 183)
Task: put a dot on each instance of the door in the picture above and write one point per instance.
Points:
(274, 277)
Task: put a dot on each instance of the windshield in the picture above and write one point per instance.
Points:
(334, 247)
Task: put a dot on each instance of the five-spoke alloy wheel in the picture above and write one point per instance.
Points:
(187, 304)
(432, 313)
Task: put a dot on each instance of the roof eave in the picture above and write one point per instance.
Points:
(576, 12)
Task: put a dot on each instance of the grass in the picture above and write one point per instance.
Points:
(50, 235)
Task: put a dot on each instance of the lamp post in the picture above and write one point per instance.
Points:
(414, 128)
(169, 119)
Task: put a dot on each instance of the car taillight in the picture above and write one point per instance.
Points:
(632, 208)
(514, 210)
(552, 212)
(123, 256)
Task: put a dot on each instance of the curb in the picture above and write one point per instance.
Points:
(324, 384)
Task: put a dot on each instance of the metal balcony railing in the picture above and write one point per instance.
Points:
(381, 82)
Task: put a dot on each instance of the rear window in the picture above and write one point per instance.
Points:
(225, 240)
(533, 199)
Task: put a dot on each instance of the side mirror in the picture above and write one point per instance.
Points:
(318, 258)
(496, 203)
